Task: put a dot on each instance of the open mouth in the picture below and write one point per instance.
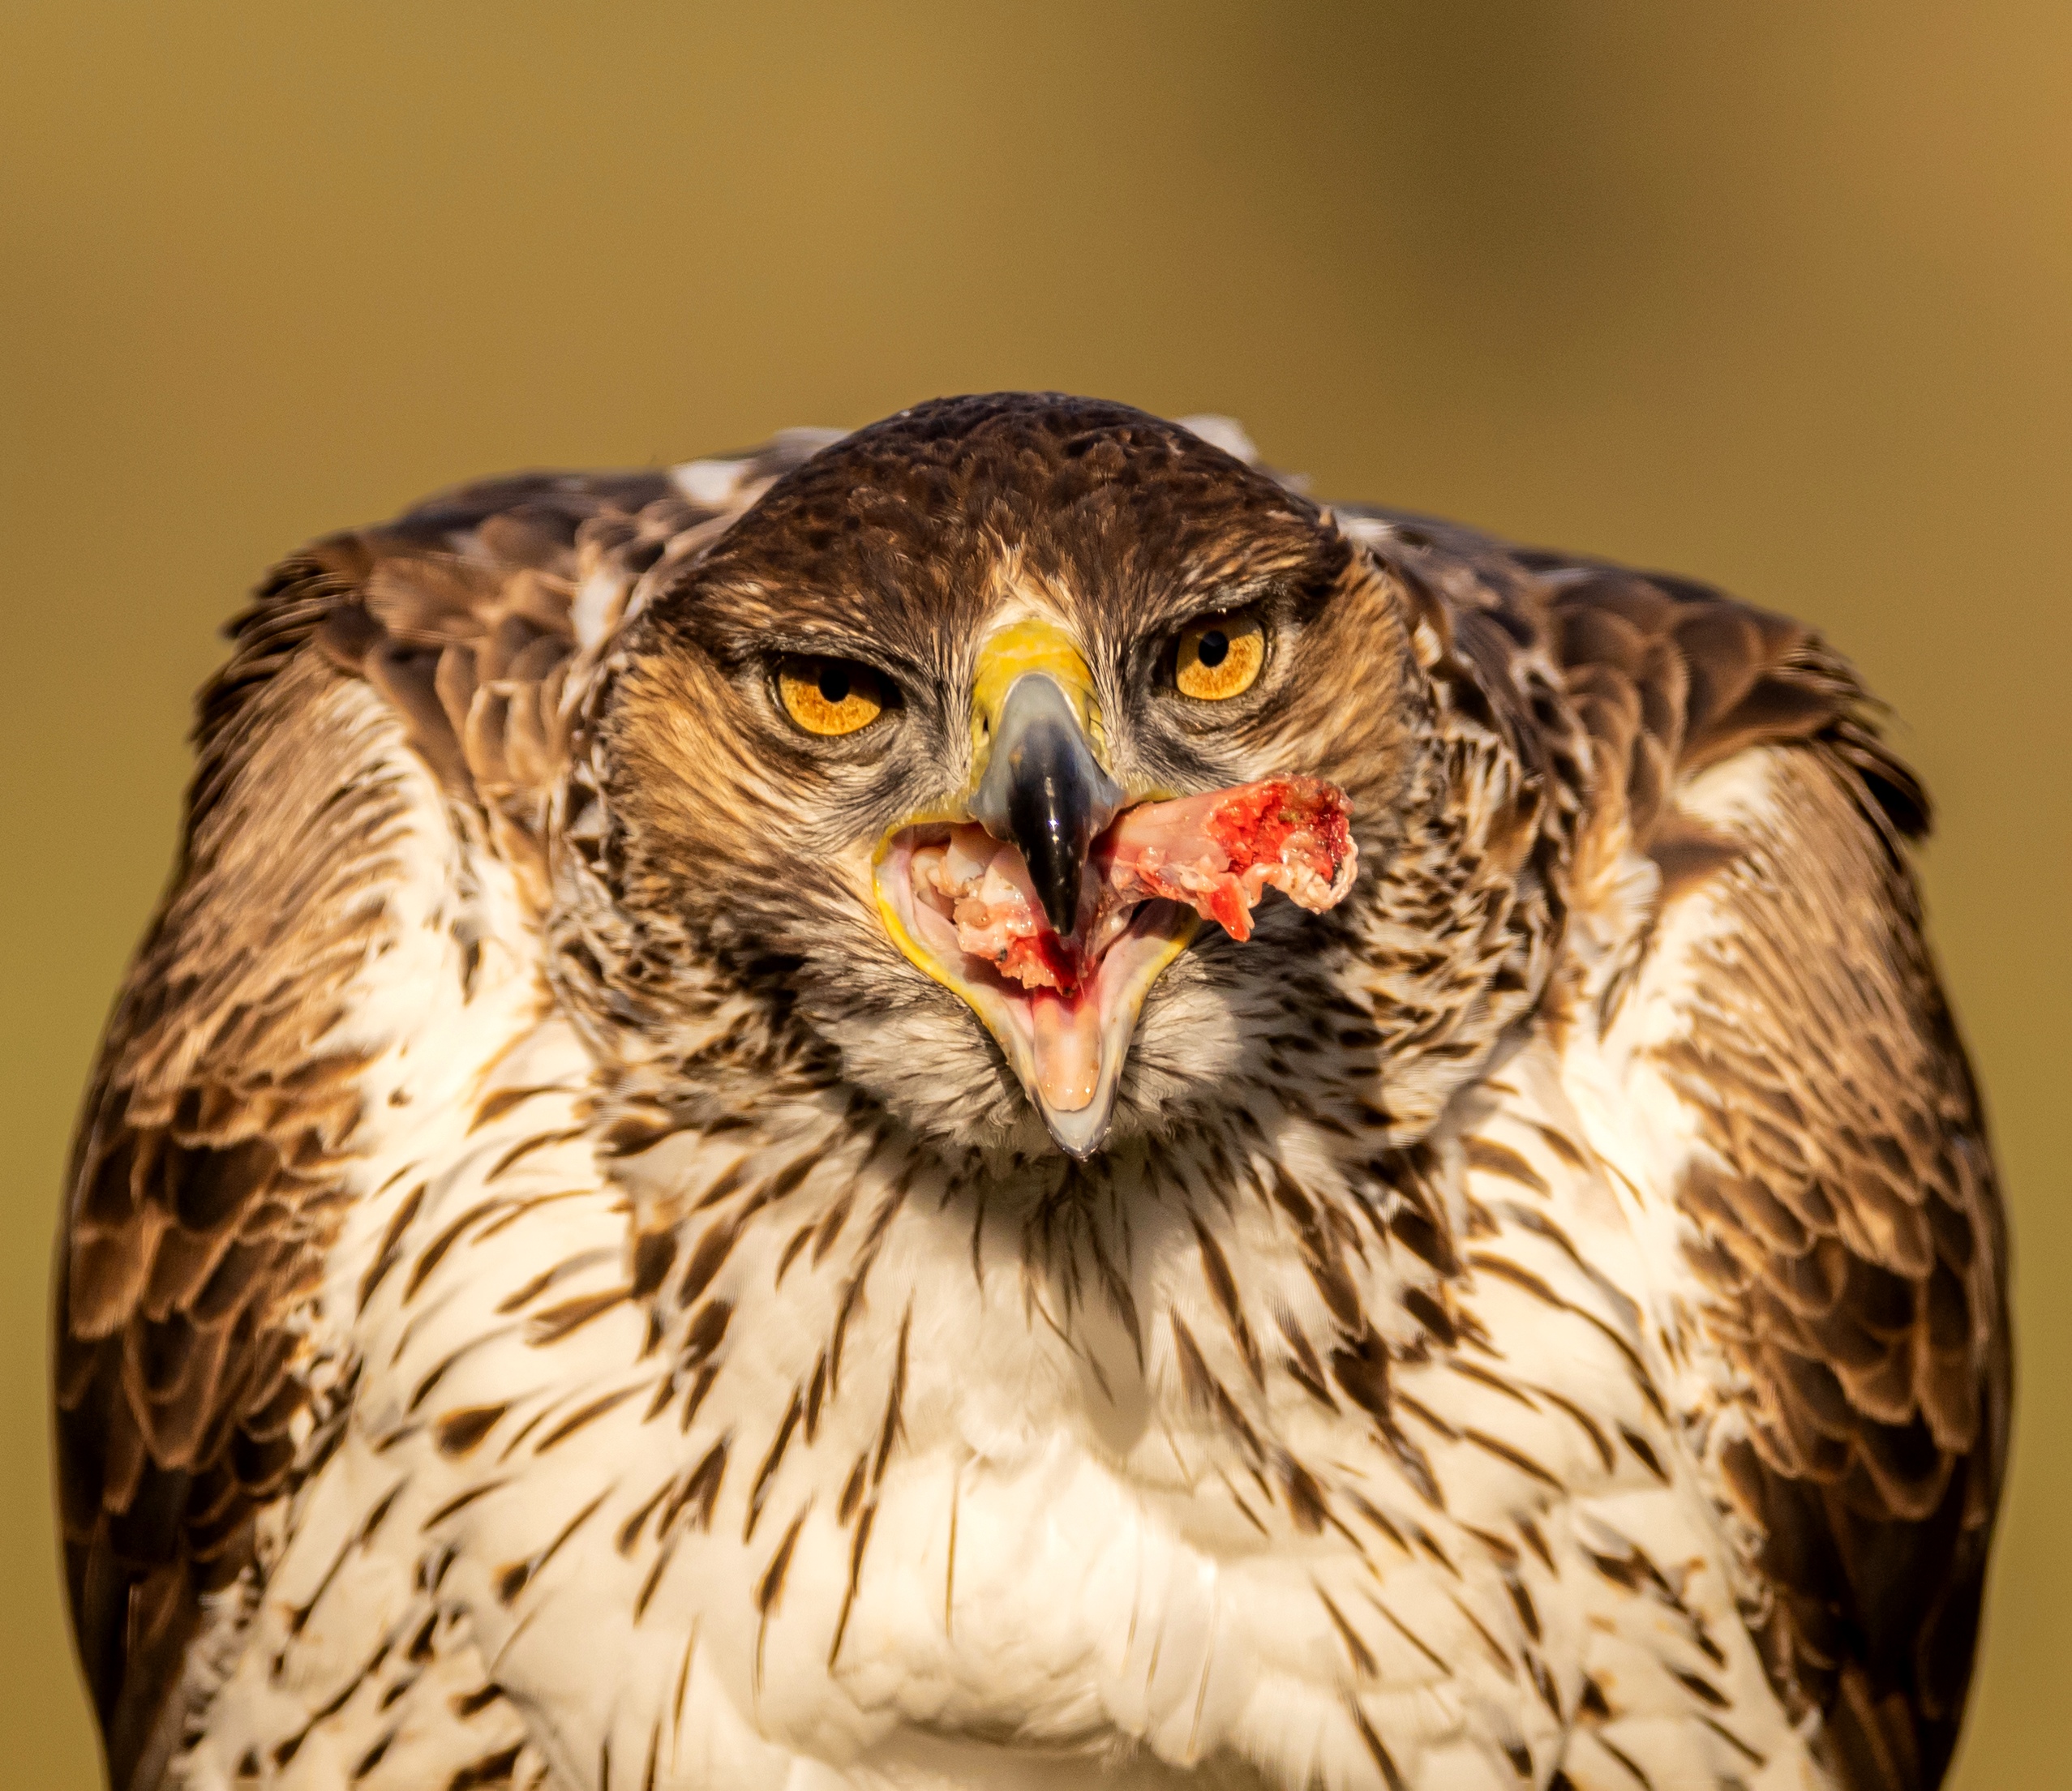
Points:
(1064, 1005)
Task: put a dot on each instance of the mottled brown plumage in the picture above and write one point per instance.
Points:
(1855, 1246)
(1541, 753)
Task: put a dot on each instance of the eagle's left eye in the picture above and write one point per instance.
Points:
(830, 697)
(1218, 659)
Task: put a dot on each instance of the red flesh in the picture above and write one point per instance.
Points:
(1218, 854)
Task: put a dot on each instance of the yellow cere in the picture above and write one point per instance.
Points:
(1032, 644)
(830, 696)
(1220, 659)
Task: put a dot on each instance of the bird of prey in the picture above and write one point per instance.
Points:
(990, 1103)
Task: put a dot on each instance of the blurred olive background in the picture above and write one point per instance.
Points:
(1778, 294)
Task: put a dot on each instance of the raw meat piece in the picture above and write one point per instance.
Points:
(1221, 853)
(1217, 852)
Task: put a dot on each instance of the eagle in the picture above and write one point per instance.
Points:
(991, 1102)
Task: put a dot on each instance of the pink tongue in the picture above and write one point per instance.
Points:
(1067, 1048)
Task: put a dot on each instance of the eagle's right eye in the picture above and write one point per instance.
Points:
(831, 697)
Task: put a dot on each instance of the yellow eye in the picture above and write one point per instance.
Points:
(831, 695)
(1220, 659)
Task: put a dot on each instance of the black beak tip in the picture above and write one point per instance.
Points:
(1056, 868)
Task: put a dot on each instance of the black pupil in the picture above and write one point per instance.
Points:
(835, 684)
(1215, 648)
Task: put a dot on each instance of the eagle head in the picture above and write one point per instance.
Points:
(948, 777)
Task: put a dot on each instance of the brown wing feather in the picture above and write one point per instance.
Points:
(1854, 1243)
(463, 613)
(1856, 1249)
(206, 1176)
(204, 1183)
(1666, 675)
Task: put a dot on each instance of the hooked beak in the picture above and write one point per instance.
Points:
(1043, 791)
(1040, 787)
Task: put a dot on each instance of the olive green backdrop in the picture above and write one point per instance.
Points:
(1778, 294)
